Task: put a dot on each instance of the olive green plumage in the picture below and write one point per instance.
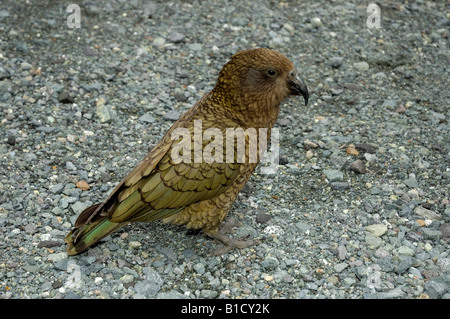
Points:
(248, 93)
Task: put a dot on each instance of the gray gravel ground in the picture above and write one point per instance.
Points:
(359, 207)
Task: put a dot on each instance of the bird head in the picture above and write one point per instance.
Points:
(262, 74)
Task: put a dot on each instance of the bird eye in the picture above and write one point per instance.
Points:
(271, 72)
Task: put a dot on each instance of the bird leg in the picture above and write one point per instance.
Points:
(228, 242)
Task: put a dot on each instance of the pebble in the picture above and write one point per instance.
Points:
(358, 167)
(373, 242)
(262, 218)
(336, 62)
(430, 234)
(270, 263)
(435, 289)
(361, 66)
(195, 46)
(176, 37)
(105, 113)
(340, 267)
(333, 175)
(126, 279)
(148, 288)
(316, 22)
(57, 257)
(404, 250)
(199, 268)
(147, 118)
(172, 116)
(134, 244)
(411, 182)
(421, 211)
(377, 230)
(342, 252)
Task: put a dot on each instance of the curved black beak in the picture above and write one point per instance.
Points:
(298, 87)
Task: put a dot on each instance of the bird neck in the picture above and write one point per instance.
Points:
(246, 109)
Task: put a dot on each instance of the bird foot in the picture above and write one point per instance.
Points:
(229, 243)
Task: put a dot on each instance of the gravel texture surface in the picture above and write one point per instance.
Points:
(359, 207)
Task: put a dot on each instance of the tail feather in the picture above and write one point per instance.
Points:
(80, 239)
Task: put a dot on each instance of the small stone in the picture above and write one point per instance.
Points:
(430, 234)
(307, 144)
(11, 140)
(100, 101)
(401, 109)
(435, 289)
(411, 182)
(70, 166)
(445, 232)
(57, 188)
(361, 66)
(413, 193)
(289, 28)
(377, 230)
(336, 62)
(366, 148)
(342, 252)
(316, 22)
(358, 167)
(173, 294)
(4, 13)
(373, 242)
(262, 218)
(50, 243)
(105, 113)
(270, 263)
(57, 257)
(83, 185)
(141, 52)
(340, 185)
(444, 264)
(92, 10)
(333, 279)
(333, 175)
(392, 294)
(428, 214)
(158, 41)
(405, 250)
(78, 206)
(405, 263)
(172, 116)
(303, 227)
(127, 278)
(195, 47)
(64, 97)
(177, 37)
(199, 268)
(134, 244)
(351, 150)
(147, 118)
(149, 287)
(208, 294)
(340, 267)
(30, 157)
(392, 104)
(277, 42)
